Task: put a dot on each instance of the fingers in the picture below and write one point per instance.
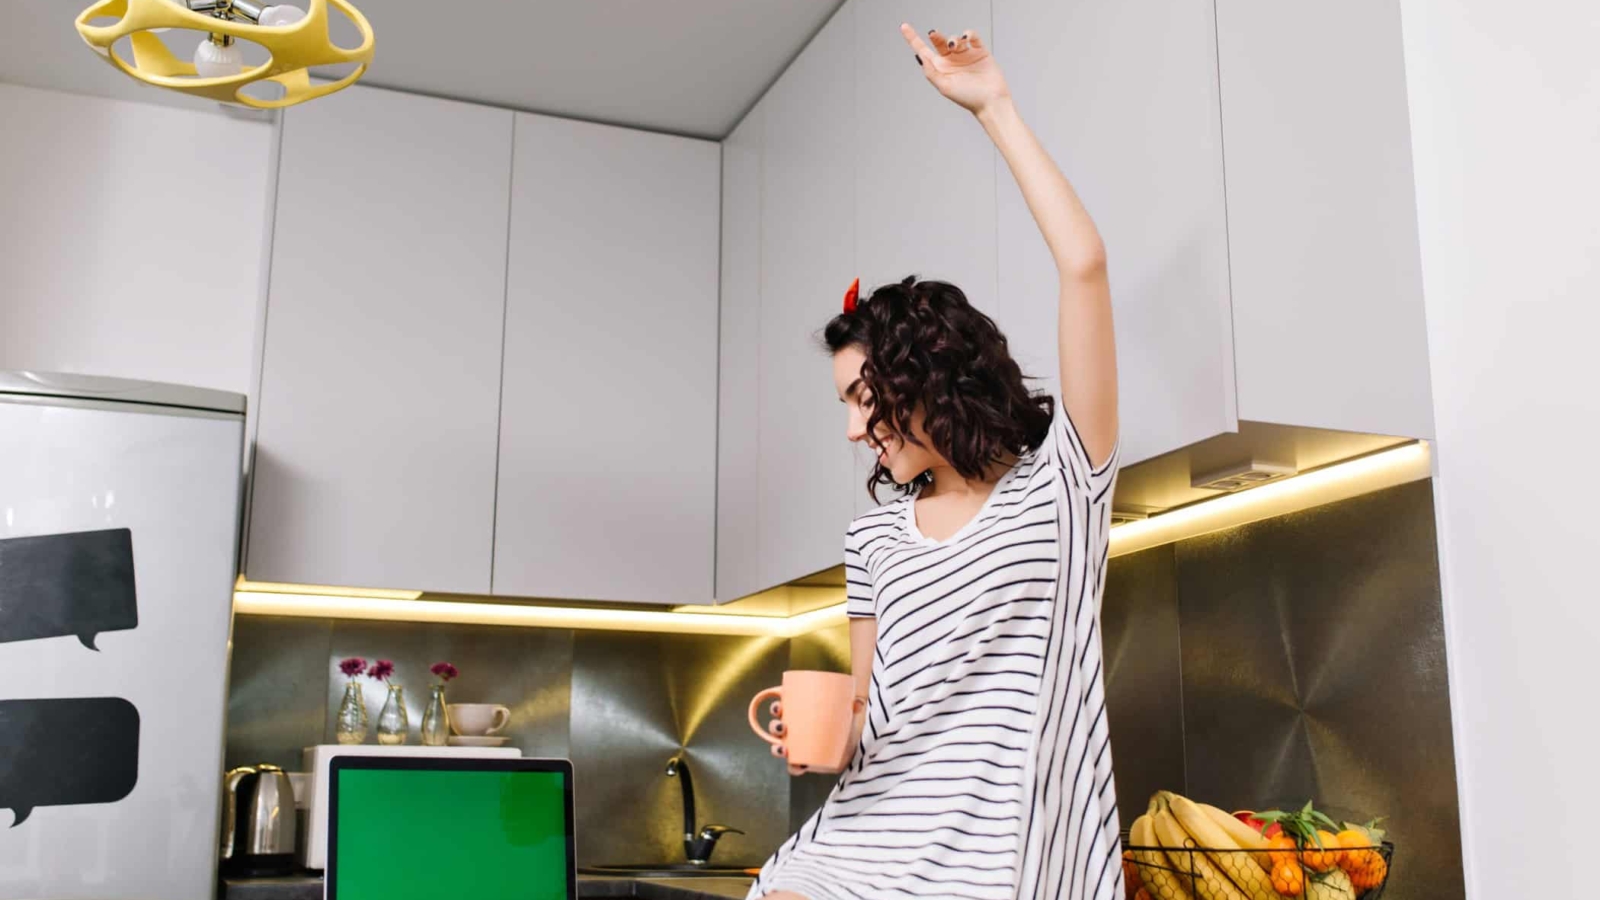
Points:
(797, 770)
(942, 44)
(918, 45)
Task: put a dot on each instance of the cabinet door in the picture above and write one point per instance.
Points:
(375, 450)
(1327, 279)
(738, 391)
(608, 419)
(806, 482)
(1124, 96)
(924, 169)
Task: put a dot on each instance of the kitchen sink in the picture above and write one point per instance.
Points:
(667, 870)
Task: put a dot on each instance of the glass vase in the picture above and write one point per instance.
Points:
(393, 726)
(436, 719)
(351, 727)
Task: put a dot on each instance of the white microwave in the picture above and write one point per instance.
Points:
(315, 800)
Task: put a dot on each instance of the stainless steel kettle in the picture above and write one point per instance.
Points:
(258, 828)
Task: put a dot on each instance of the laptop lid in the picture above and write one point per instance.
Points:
(422, 828)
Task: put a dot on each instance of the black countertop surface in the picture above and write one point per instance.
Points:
(309, 887)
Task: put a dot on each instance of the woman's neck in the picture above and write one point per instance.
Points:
(946, 481)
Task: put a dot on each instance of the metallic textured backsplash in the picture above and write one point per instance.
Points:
(285, 684)
(640, 699)
(619, 705)
(1299, 657)
(1312, 666)
(1144, 682)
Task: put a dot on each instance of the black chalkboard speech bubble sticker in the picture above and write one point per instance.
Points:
(66, 752)
(78, 584)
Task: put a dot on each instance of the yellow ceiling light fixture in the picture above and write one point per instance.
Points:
(296, 40)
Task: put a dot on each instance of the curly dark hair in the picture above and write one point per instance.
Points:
(927, 347)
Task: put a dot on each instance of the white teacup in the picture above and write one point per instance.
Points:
(478, 719)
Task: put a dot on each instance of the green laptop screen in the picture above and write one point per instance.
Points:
(431, 834)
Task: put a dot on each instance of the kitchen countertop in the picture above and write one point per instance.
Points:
(309, 887)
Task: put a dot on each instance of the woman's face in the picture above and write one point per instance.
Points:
(903, 460)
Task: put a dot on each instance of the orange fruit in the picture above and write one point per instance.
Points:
(1281, 849)
(1325, 857)
(1288, 879)
(1130, 875)
(1371, 874)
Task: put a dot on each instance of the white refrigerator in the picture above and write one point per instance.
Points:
(119, 526)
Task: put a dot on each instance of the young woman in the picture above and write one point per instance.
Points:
(982, 763)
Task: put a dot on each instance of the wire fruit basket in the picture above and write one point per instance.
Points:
(1307, 873)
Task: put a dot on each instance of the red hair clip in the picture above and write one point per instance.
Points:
(851, 296)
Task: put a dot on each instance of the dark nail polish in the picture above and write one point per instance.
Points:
(918, 58)
(952, 44)
(930, 31)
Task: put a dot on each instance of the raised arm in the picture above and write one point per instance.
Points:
(964, 71)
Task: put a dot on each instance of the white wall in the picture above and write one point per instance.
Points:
(130, 238)
(1505, 112)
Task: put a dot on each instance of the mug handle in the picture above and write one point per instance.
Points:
(755, 704)
(501, 717)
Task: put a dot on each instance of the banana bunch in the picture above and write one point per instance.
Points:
(1192, 851)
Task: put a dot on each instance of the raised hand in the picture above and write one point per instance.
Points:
(960, 66)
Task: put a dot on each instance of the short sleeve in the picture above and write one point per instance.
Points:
(1065, 450)
(857, 583)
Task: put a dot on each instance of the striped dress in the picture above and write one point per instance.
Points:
(984, 769)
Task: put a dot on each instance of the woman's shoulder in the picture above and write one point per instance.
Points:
(878, 520)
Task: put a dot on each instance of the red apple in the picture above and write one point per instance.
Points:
(1249, 818)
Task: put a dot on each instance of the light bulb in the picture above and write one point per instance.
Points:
(281, 16)
(213, 60)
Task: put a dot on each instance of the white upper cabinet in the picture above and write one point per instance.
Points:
(608, 422)
(806, 483)
(1124, 96)
(375, 452)
(924, 169)
(1327, 284)
(738, 378)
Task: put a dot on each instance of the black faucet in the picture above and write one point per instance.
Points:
(697, 848)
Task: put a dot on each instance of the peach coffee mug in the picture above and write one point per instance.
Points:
(813, 712)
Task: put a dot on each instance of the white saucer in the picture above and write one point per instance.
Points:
(462, 740)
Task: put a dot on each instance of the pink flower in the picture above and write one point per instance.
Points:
(381, 670)
(352, 666)
(444, 670)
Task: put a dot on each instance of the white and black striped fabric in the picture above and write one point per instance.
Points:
(984, 770)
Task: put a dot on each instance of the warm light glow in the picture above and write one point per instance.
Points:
(268, 587)
(396, 609)
(730, 672)
(1326, 485)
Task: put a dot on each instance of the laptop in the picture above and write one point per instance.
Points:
(425, 828)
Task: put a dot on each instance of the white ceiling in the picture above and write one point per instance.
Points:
(682, 66)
